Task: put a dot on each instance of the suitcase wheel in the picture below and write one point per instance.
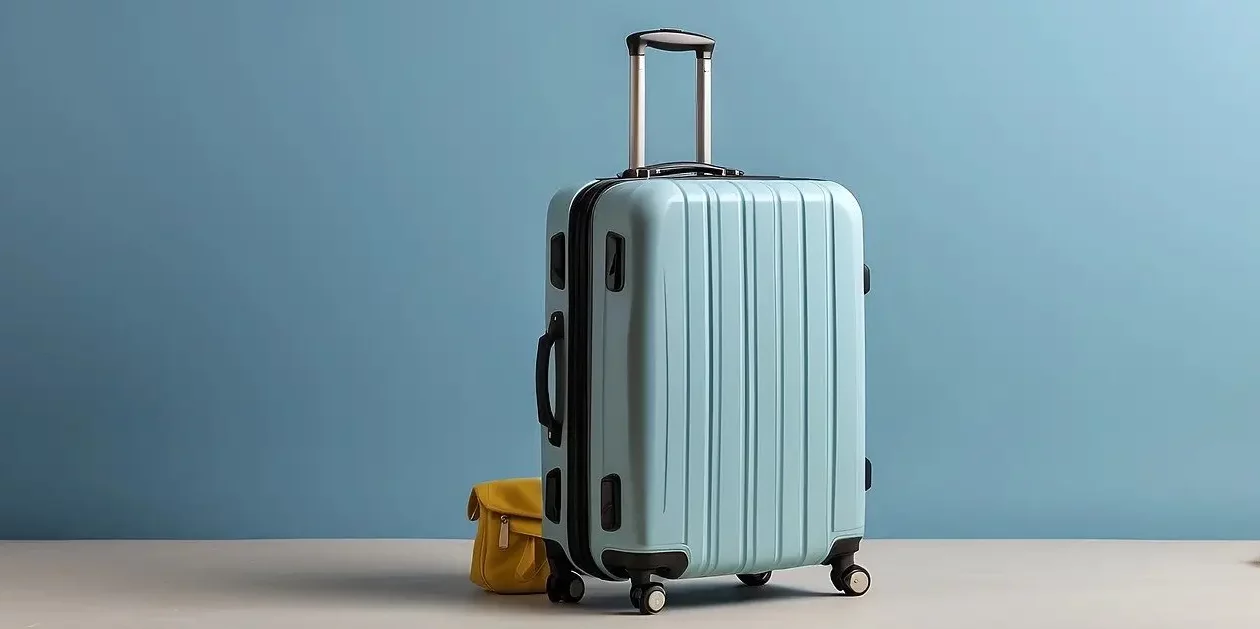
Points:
(851, 580)
(755, 580)
(649, 598)
(565, 587)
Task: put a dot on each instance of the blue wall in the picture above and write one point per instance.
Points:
(274, 268)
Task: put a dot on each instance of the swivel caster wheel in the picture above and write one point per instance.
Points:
(756, 579)
(565, 588)
(851, 581)
(650, 598)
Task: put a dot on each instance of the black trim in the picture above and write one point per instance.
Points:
(868, 475)
(841, 550)
(551, 495)
(556, 258)
(614, 262)
(577, 377)
(610, 502)
(866, 279)
(578, 409)
(669, 564)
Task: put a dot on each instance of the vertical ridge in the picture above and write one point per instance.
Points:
(747, 381)
(714, 355)
(686, 497)
(669, 390)
(833, 400)
(779, 396)
(804, 354)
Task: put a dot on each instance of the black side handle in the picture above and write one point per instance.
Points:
(547, 343)
(866, 279)
(666, 169)
(670, 40)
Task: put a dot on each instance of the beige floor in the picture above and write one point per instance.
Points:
(423, 584)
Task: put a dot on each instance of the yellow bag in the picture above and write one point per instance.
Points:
(508, 553)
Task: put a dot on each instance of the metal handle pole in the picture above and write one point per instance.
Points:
(704, 128)
(638, 113)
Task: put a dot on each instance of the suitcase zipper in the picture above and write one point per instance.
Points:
(503, 532)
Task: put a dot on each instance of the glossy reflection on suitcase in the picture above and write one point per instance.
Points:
(705, 336)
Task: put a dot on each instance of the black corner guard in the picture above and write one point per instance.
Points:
(842, 550)
(670, 564)
(551, 495)
(557, 561)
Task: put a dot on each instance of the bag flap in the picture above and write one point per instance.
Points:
(513, 497)
(528, 527)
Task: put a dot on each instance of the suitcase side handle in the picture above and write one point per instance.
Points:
(546, 344)
(670, 40)
(667, 169)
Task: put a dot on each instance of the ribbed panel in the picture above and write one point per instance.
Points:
(752, 368)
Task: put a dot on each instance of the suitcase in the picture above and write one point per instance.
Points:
(705, 331)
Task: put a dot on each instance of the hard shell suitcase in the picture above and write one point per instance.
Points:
(707, 329)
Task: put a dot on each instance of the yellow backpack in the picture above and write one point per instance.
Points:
(508, 552)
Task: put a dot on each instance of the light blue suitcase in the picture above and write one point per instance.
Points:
(708, 340)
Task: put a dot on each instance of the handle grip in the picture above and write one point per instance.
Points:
(546, 343)
(670, 40)
(666, 169)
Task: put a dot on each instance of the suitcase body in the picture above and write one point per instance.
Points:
(705, 335)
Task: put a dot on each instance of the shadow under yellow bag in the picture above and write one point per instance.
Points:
(508, 552)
